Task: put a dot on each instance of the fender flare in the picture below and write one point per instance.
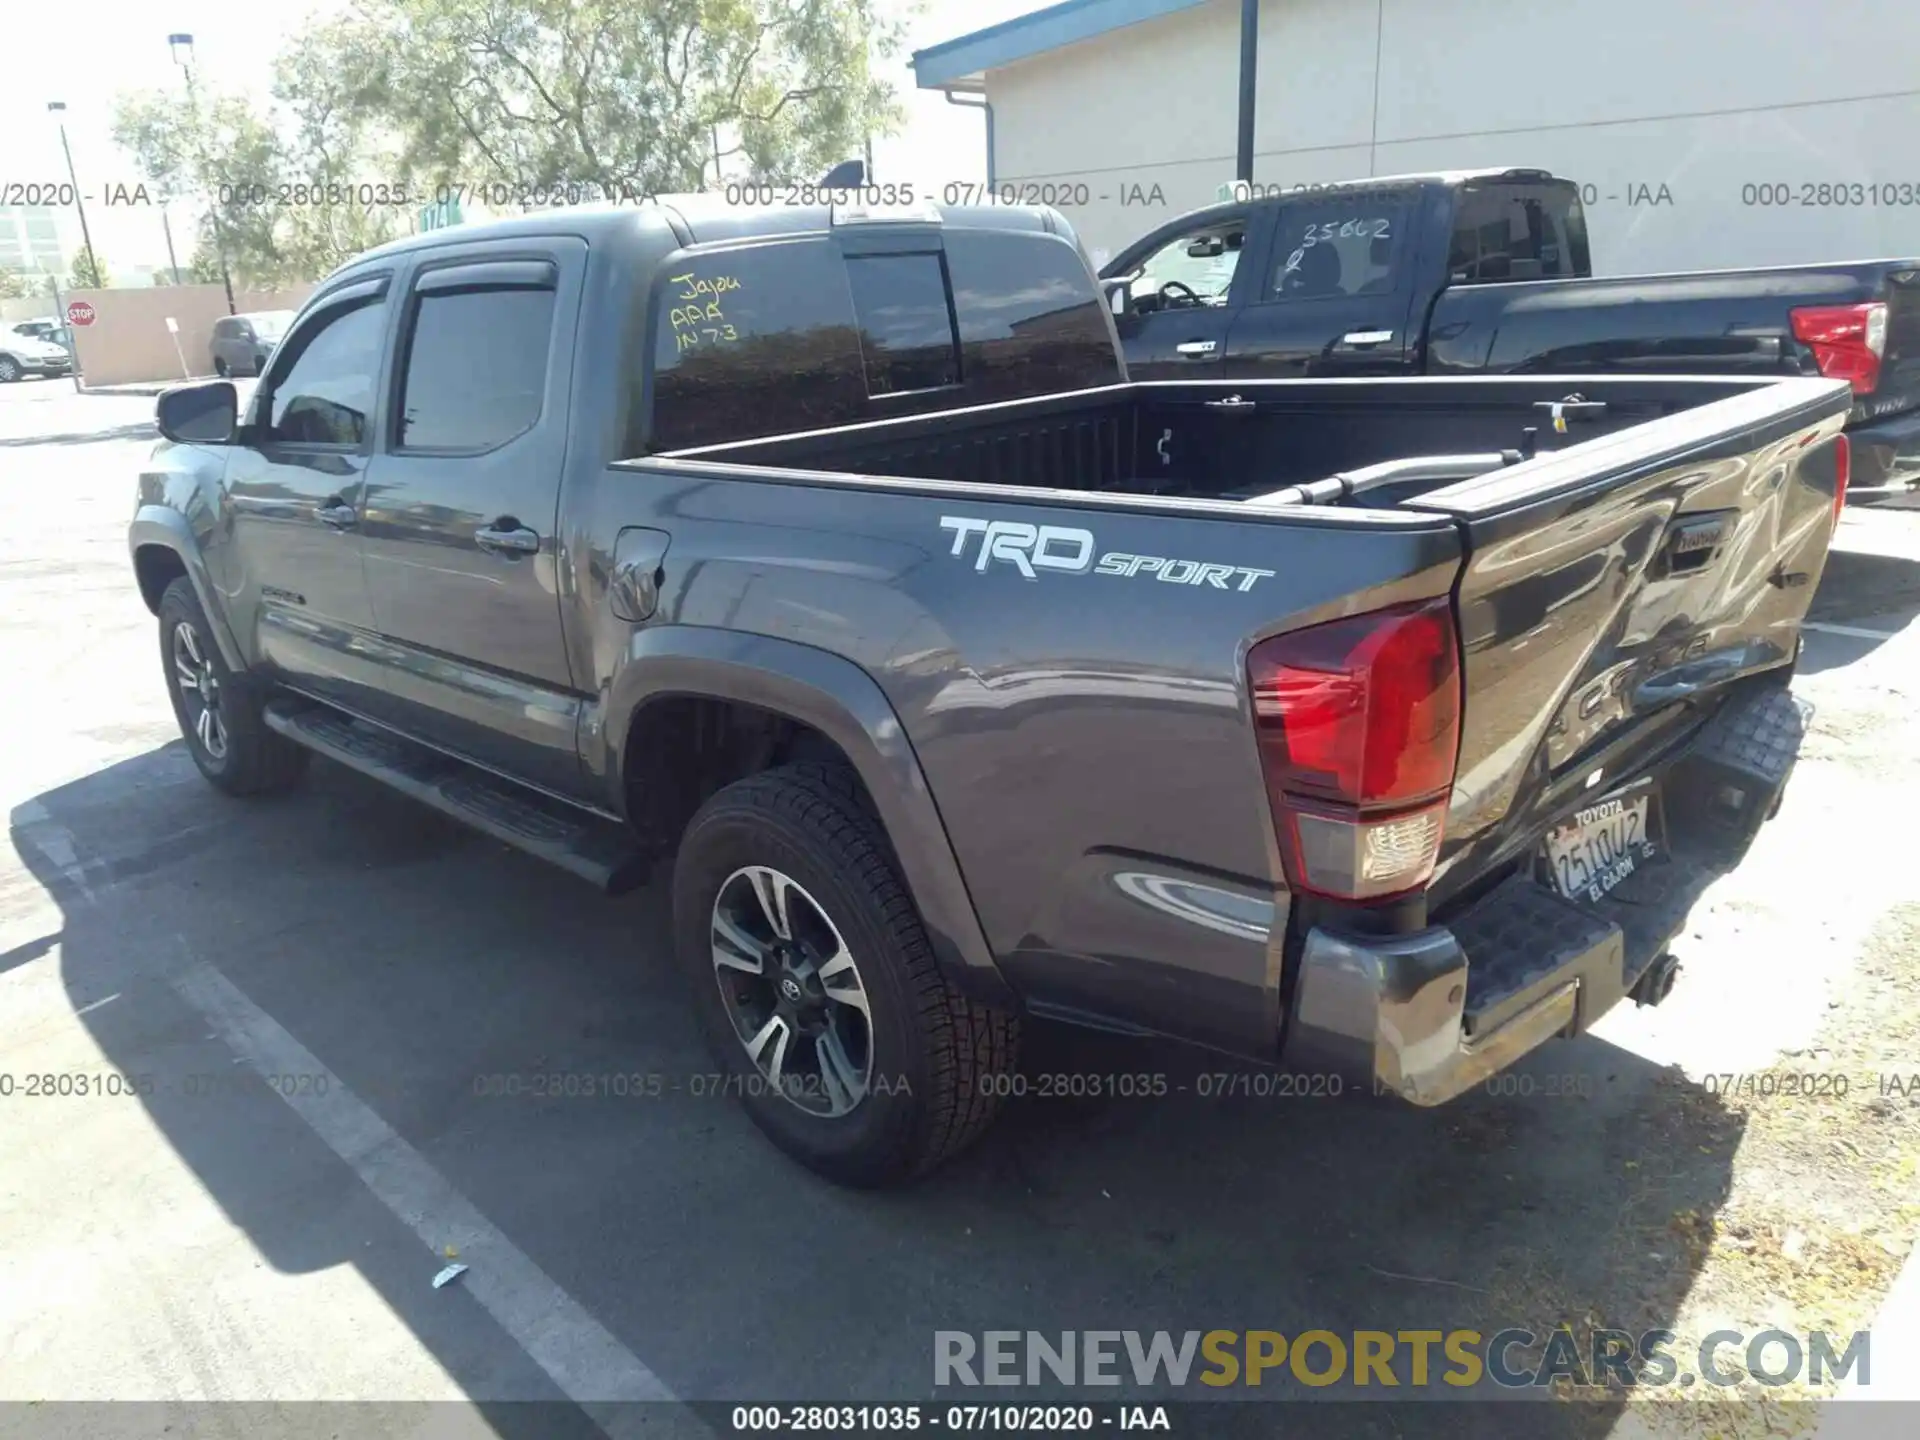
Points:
(844, 703)
(166, 527)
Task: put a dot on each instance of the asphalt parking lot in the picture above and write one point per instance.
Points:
(211, 1238)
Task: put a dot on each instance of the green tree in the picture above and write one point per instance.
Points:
(262, 177)
(17, 285)
(627, 94)
(376, 108)
(88, 275)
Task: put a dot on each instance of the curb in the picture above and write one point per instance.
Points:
(141, 387)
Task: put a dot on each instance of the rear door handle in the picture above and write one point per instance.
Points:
(1196, 347)
(1366, 337)
(507, 536)
(336, 514)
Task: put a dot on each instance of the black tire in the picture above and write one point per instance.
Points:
(9, 369)
(937, 1058)
(250, 759)
(221, 368)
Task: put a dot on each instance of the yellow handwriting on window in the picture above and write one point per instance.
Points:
(698, 318)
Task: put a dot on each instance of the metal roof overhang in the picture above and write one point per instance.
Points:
(962, 63)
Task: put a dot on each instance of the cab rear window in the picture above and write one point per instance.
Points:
(1518, 232)
(796, 334)
(906, 323)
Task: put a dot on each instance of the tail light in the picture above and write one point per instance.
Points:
(1358, 723)
(1848, 341)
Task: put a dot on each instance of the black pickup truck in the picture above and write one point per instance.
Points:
(829, 554)
(1475, 271)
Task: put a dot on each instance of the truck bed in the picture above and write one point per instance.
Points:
(1627, 577)
(1257, 441)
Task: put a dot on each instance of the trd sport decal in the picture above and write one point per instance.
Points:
(1068, 550)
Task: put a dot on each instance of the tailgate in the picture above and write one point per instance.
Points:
(1616, 592)
(1899, 385)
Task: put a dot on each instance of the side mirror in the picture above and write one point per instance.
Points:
(204, 414)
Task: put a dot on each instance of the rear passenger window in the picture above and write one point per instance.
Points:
(476, 368)
(756, 341)
(1350, 245)
(906, 329)
(1518, 232)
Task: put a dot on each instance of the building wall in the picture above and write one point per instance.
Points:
(1708, 99)
(27, 307)
(30, 240)
(128, 340)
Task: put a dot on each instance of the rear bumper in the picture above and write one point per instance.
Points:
(46, 367)
(1886, 457)
(1429, 1015)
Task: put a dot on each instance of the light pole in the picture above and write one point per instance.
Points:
(181, 47)
(59, 107)
(166, 228)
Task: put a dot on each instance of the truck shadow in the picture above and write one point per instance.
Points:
(417, 962)
(1868, 595)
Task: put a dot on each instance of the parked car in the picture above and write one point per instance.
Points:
(1469, 272)
(242, 344)
(829, 560)
(25, 351)
(44, 330)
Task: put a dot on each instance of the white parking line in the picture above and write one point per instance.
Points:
(1852, 632)
(580, 1355)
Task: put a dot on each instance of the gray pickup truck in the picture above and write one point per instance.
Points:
(1381, 729)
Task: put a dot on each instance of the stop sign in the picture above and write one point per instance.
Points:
(80, 313)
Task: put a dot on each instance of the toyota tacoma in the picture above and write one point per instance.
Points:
(827, 562)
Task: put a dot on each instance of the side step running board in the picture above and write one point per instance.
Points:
(597, 850)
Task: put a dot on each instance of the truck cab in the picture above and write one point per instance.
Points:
(1464, 272)
(1333, 280)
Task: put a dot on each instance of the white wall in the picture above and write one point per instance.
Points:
(1149, 105)
(1704, 97)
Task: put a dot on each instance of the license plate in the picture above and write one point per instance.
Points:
(1600, 845)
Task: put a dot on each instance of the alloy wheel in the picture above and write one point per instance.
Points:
(199, 686)
(793, 991)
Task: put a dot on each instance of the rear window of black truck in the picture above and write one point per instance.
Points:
(1518, 231)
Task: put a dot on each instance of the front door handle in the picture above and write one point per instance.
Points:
(1366, 337)
(336, 513)
(1195, 347)
(507, 536)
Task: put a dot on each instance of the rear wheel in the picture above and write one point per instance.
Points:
(221, 368)
(220, 712)
(816, 986)
(9, 369)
